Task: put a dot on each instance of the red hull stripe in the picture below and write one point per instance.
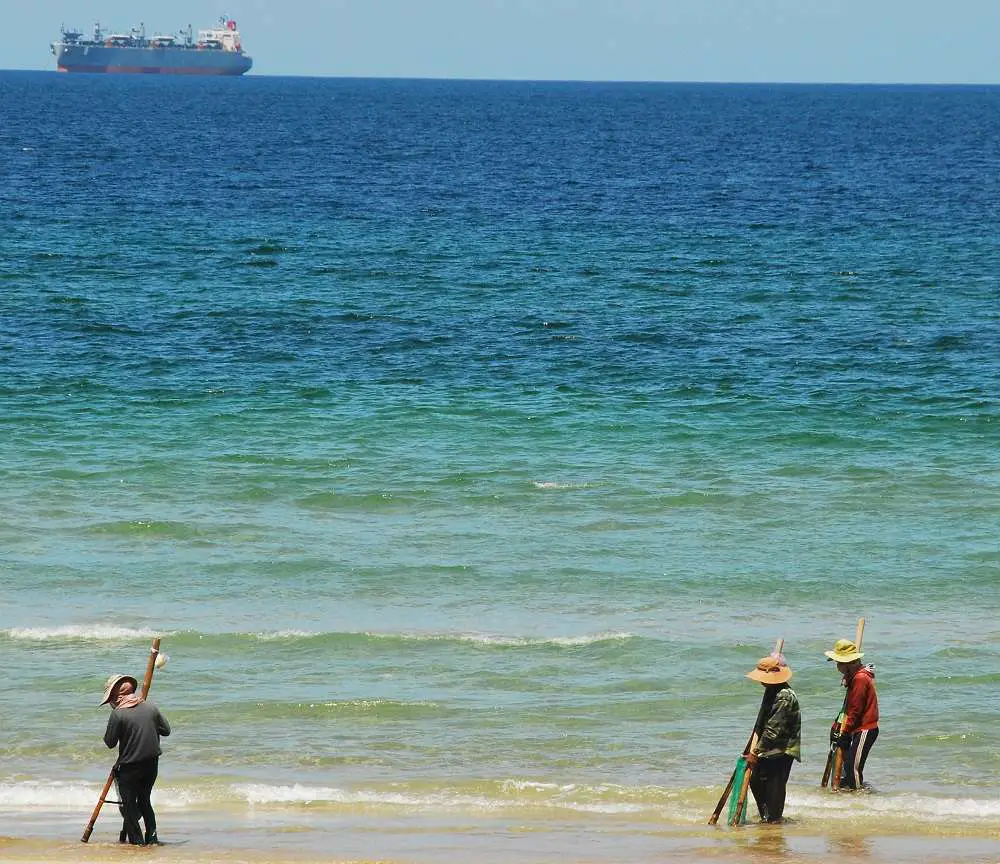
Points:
(153, 70)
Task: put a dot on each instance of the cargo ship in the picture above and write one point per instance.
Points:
(216, 51)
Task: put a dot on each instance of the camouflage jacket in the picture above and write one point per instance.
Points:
(781, 732)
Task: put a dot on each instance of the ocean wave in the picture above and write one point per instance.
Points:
(281, 635)
(555, 484)
(511, 795)
(509, 641)
(264, 794)
(908, 805)
(78, 796)
(370, 708)
(82, 633)
(299, 794)
(58, 796)
(484, 639)
(117, 633)
(51, 796)
(515, 786)
(612, 799)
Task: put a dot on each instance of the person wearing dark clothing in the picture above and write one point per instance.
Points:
(777, 738)
(860, 714)
(135, 726)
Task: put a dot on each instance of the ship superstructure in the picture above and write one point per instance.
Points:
(217, 51)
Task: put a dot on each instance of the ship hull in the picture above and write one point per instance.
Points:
(150, 61)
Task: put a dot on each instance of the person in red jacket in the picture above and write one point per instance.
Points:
(860, 716)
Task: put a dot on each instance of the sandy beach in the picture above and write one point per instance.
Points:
(261, 837)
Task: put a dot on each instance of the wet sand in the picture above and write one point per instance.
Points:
(264, 837)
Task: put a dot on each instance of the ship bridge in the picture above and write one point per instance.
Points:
(226, 36)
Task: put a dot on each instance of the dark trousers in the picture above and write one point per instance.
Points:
(135, 785)
(855, 756)
(768, 782)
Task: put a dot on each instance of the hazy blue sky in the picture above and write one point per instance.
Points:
(633, 40)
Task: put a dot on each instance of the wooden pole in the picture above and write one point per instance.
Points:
(729, 786)
(828, 770)
(154, 651)
(742, 798)
(750, 742)
(835, 759)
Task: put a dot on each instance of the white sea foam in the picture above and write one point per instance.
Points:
(115, 633)
(78, 797)
(516, 795)
(924, 807)
(553, 484)
(264, 794)
(81, 633)
(607, 636)
(570, 797)
(513, 786)
(608, 807)
(513, 641)
(50, 796)
(446, 636)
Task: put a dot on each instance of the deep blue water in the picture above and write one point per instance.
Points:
(439, 422)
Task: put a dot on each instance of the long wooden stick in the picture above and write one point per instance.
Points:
(750, 742)
(154, 651)
(835, 759)
(828, 770)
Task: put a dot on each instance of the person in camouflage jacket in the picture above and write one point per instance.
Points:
(777, 741)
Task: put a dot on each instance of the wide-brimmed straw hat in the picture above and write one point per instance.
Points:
(770, 670)
(845, 651)
(113, 682)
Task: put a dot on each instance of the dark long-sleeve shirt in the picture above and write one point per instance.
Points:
(137, 732)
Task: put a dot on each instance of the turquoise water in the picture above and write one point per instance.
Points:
(466, 443)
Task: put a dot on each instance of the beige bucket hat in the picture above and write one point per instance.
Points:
(113, 682)
(770, 670)
(845, 651)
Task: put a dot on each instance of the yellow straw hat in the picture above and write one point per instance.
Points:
(845, 651)
(770, 670)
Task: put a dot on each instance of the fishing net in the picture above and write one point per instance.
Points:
(734, 796)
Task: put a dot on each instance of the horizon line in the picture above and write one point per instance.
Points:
(500, 80)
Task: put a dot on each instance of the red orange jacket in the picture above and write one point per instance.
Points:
(862, 701)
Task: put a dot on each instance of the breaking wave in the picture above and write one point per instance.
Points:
(114, 633)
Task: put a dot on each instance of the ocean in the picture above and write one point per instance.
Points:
(467, 442)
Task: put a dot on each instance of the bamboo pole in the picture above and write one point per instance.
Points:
(835, 758)
(741, 801)
(729, 786)
(828, 770)
(154, 651)
(778, 646)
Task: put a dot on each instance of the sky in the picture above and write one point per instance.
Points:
(844, 41)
